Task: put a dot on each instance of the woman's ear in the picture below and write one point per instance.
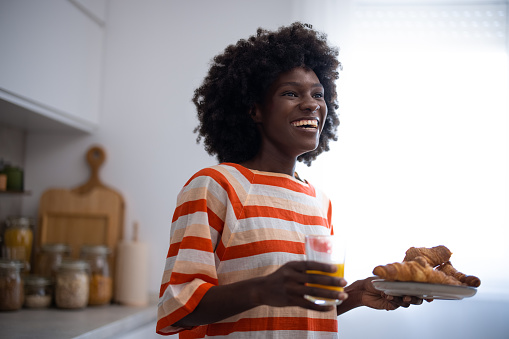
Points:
(255, 113)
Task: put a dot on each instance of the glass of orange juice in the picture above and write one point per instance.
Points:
(328, 249)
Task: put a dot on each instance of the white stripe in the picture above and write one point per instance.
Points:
(197, 256)
(279, 192)
(189, 219)
(209, 184)
(279, 335)
(231, 172)
(291, 226)
(258, 261)
(169, 263)
(171, 292)
(197, 218)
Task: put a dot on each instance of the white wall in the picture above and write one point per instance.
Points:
(157, 53)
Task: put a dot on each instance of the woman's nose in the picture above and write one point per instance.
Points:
(309, 105)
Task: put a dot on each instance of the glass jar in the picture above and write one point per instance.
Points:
(37, 292)
(72, 284)
(49, 258)
(11, 285)
(101, 283)
(14, 178)
(18, 238)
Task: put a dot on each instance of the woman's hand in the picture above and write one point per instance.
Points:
(287, 286)
(363, 293)
(379, 300)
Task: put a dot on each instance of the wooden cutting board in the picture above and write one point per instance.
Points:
(91, 214)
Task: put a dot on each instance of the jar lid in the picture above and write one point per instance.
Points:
(19, 222)
(56, 247)
(74, 265)
(36, 280)
(95, 249)
(11, 264)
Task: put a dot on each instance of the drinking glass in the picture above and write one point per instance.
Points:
(328, 249)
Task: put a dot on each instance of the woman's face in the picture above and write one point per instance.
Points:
(293, 114)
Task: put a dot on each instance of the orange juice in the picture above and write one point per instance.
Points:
(326, 249)
(340, 273)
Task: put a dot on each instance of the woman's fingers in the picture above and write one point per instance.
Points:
(306, 265)
(404, 301)
(289, 284)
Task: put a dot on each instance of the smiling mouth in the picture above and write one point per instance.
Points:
(306, 124)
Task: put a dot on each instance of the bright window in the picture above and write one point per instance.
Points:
(422, 153)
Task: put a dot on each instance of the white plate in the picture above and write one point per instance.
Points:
(424, 290)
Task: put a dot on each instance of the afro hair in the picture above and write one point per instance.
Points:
(240, 77)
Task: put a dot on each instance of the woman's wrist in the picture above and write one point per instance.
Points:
(355, 292)
(255, 293)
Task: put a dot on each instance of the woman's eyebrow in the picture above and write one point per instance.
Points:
(295, 83)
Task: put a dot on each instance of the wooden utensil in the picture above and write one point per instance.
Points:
(90, 214)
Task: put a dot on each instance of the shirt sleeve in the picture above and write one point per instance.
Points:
(190, 267)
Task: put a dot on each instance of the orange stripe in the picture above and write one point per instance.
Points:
(260, 247)
(261, 179)
(173, 250)
(287, 184)
(284, 214)
(195, 333)
(247, 173)
(224, 183)
(190, 207)
(214, 221)
(190, 242)
(220, 250)
(181, 278)
(196, 243)
(274, 324)
(163, 289)
(329, 218)
(180, 313)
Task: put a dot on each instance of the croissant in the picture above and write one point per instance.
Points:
(417, 270)
(468, 280)
(434, 256)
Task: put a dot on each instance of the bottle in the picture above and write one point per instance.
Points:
(3, 176)
(72, 284)
(37, 292)
(14, 178)
(11, 285)
(49, 258)
(18, 238)
(101, 283)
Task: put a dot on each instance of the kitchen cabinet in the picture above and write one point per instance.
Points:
(51, 63)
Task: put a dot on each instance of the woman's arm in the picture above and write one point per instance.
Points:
(284, 287)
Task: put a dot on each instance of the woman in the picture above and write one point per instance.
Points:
(235, 266)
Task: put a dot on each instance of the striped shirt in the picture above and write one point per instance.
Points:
(230, 224)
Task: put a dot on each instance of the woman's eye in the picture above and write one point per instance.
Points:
(290, 94)
(318, 95)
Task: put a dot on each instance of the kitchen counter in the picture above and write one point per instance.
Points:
(91, 322)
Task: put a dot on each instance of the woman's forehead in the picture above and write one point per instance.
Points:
(298, 76)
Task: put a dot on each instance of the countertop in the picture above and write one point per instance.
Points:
(91, 322)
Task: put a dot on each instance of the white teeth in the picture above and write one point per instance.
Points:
(310, 123)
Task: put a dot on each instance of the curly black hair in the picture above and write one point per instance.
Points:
(239, 78)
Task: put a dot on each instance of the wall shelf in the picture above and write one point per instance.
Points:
(15, 192)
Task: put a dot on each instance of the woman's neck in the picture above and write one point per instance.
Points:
(274, 165)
